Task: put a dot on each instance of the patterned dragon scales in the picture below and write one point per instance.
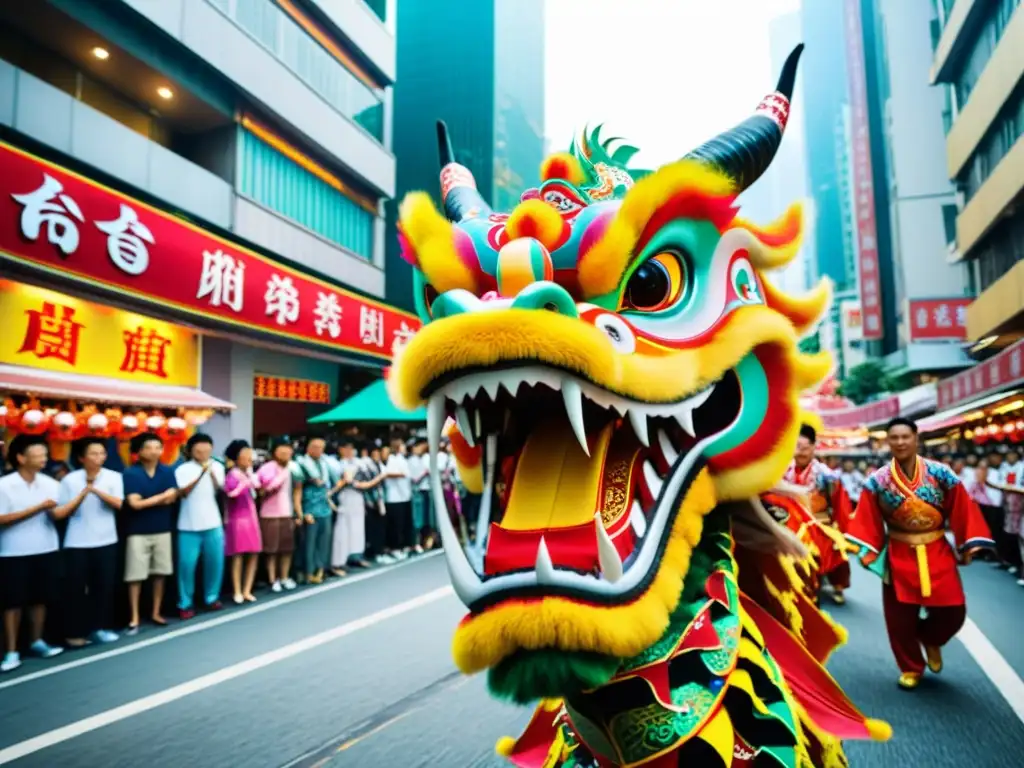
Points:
(621, 383)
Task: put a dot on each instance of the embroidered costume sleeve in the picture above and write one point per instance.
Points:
(908, 517)
(842, 508)
(966, 522)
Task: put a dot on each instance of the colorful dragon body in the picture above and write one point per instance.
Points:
(612, 357)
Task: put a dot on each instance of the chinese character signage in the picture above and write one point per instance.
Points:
(866, 415)
(1001, 372)
(864, 190)
(60, 222)
(46, 329)
(299, 390)
(933, 319)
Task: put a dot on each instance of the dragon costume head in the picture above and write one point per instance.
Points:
(620, 378)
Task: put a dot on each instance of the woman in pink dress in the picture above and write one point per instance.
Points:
(242, 541)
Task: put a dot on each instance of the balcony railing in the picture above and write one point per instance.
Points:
(987, 39)
(270, 26)
(999, 139)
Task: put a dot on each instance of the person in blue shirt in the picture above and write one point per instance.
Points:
(150, 493)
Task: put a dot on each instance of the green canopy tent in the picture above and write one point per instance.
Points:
(370, 405)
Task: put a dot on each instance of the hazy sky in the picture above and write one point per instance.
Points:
(664, 74)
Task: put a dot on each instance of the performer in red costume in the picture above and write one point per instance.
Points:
(831, 507)
(901, 521)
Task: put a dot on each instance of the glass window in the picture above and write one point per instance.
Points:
(277, 182)
(997, 142)
(949, 213)
(1002, 249)
(312, 63)
(379, 8)
(988, 38)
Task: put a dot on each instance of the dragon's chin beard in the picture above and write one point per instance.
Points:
(526, 676)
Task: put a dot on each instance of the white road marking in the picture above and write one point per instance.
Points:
(996, 668)
(202, 625)
(146, 703)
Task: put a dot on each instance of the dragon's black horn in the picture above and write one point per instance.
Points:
(744, 153)
(459, 194)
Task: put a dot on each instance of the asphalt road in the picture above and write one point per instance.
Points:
(358, 673)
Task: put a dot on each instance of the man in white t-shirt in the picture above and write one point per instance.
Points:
(398, 500)
(90, 544)
(200, 525)
(29, 546)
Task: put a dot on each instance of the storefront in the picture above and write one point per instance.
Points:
(982, 408)
(257, 345)
(858, 429)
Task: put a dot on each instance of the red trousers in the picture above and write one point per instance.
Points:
(908, 631)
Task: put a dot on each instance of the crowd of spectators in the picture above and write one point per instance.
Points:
(89, 553)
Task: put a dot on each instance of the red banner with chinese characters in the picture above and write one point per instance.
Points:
(61, 222)
(1002, 371)
(867, 415)
(930, 319)
(863, 183)
(294, 390)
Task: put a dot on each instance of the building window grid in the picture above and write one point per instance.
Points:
(985, 44)
(1001, 251)
(997, 142)
(270, 26)
(276, 182)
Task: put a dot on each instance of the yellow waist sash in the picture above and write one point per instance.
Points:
(920, 542)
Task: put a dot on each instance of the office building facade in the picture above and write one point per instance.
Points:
(487, 84)
(218, 165)
(978, 61)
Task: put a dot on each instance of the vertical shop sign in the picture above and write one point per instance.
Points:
(863, 185)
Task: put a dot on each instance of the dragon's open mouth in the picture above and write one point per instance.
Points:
(591, 481)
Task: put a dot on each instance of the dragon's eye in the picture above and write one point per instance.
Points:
(657, 283)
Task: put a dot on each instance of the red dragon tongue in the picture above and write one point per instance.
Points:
(558, 484)
(554, 498)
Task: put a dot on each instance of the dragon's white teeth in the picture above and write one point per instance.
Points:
(435, 423)
(667, 449)
(491, 388)
(506, 422)
(685, 419)
(638, 519)
(651, 478)
(511, 385)
(607, 554)
(479, 430)
(572, 396)
(463, 423)
(697, 401)
(639, 421)
(543, 567)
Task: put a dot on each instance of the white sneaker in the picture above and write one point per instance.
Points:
(1013, 570)
(276, 587)
(44, 650)
(11, 662)
(289, 584)
(1020, 582)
